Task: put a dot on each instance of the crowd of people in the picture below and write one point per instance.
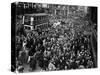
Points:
(54, 48)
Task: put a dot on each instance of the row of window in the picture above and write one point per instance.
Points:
(28, 28)
(40, 18)
(40, 22)
(39, 26)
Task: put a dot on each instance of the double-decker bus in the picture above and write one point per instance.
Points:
(35, 21)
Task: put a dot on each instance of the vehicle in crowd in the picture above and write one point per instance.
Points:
(35, 21)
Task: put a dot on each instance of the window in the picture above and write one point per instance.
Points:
(28, 28)
(36, 18)
(25, 27)
(27, 20)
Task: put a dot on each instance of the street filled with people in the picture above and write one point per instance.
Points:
(58, 47)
